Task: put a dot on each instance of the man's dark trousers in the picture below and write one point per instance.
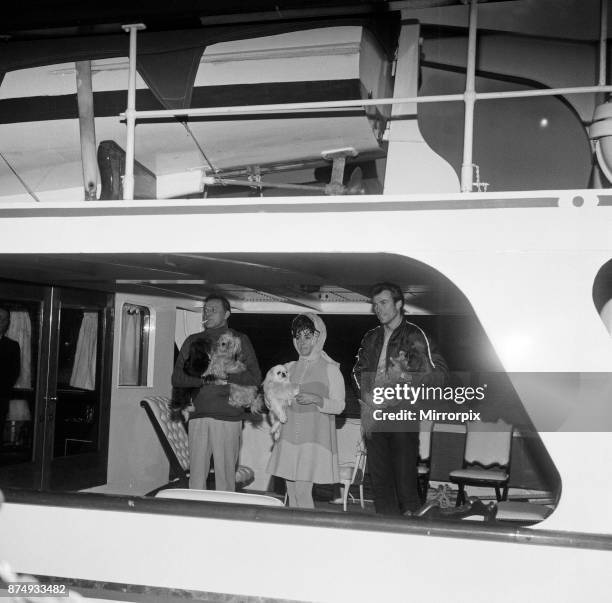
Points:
(392, 465)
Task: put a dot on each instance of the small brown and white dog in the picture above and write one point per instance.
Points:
(279, 393)
(225, 360)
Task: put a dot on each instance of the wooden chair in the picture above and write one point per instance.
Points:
(175, 443)
(486, 459)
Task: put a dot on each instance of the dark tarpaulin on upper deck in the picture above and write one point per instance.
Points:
(168, 61)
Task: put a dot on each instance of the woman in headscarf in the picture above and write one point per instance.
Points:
(307, 450)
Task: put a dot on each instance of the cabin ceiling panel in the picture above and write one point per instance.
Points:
(322, 282)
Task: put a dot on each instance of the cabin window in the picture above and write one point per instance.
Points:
(134, 354)
(336, 287)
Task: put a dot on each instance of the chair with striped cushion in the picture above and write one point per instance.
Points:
(173, 438)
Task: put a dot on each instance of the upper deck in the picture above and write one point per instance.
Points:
(414, 98)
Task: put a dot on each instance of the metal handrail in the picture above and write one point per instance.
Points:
(495, 532)
(469, 97)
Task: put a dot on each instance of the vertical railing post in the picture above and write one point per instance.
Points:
(467, 170)
(130, 114)
(603, 45)
(599, 171)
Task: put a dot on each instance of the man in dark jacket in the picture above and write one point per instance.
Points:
(10, 366)
(393, 354)
(215, 426)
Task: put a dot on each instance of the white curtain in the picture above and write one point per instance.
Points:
(187, 322)
(84, 369)
(20, 330)
(131, 334)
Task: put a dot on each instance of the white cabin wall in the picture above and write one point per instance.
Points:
(311, 563)
(136, 461)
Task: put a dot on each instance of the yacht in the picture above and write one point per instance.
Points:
(288, 156)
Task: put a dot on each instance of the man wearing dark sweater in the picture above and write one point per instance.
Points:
(214, 426)
(10, 365)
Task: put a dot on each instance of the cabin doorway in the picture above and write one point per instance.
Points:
(55, 433)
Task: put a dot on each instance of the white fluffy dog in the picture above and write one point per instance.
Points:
(279, 393)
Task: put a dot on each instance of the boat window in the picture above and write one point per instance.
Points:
(336, 288)
(134, 354)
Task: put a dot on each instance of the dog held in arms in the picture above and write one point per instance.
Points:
(214, 367)
(279, 393)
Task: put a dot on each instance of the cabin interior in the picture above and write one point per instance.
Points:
(105, 335)
(100, 332)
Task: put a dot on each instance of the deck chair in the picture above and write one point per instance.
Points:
(353, 474)
(175, 442)
(486, 459)
(424, 465)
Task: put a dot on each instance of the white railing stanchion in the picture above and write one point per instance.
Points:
(603, 45)
(130, 114)
(467, 170)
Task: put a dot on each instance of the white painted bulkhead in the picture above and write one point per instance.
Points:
(528, 273)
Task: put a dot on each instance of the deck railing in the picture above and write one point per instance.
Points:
(469, 97)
